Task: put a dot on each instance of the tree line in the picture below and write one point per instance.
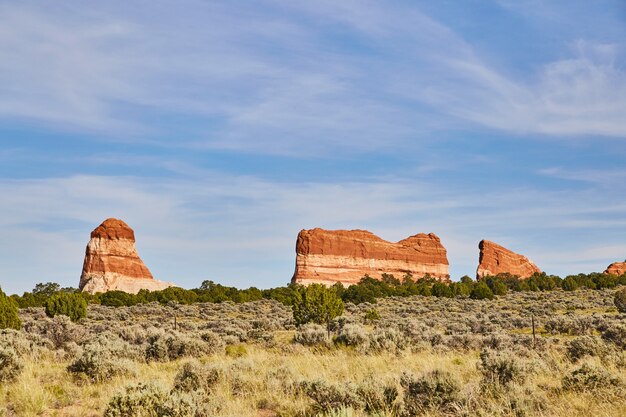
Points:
(367, 290)
(313, 303)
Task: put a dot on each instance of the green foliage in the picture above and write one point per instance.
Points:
(68, 304)
(46, 289)
(620, 300)
(481, 291)
(9, 318)
(496, 285)
(316, 303)
(570, 284)
(372, 315)
(439, 289)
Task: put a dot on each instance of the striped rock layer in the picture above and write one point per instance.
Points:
(616, 268)
(112, 263)
(331, 256)
(495, 259)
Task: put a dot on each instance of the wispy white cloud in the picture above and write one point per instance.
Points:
(277, 79)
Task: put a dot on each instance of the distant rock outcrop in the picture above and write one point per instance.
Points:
(495, 259)
(616, 268)
(330, 256)
(112, 263)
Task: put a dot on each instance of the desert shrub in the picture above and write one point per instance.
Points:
(377, 397)
(386, 339)
(575, 326)
(316, 303)
(311, 334)
(99, 363)
(164, 347)
(352, 334)
(589, 377)
(434, 390)
(61, 331)
(72, 305)
(502, 367)
(150, 400)
(193, 376)
(9, 318)
(11, 364)
(24, 343)
(616, 334)
(329, 397)
(157, 348)
(620, 300)
(213, 342)
(497, 341)
(585, 346)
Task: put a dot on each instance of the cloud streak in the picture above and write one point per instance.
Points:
(299, 79)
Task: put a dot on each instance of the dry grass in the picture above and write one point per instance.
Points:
(263, 373)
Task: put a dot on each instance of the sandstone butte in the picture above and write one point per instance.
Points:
(331, 256)
(495, 259)
(616, 268)
(112, 263)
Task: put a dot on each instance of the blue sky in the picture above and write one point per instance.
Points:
(218, 130)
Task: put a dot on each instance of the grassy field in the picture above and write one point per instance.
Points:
(418, 356)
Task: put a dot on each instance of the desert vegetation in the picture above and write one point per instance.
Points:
(411, 355)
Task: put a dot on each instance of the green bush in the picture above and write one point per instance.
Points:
(316, 303)
(67, 304)
(10, 364)
(620, 300)
(481, 291)
(570, 284)
(372, 315)
(9, 318)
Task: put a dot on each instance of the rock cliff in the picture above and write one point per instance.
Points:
(112, 263)
(495, 259)
(330, 256)
(616, 268)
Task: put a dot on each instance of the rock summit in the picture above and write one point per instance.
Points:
(345, 256)
(112, 263)
(495, 259)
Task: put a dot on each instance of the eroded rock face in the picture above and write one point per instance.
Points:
(616, 268)
(330, 256)
(495, 259)
(112, 263)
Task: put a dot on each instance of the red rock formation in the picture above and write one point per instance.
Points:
(330, 256)
(112, 263)
(616, 268)
(495, 259)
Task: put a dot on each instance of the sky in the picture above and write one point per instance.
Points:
(218, 130)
